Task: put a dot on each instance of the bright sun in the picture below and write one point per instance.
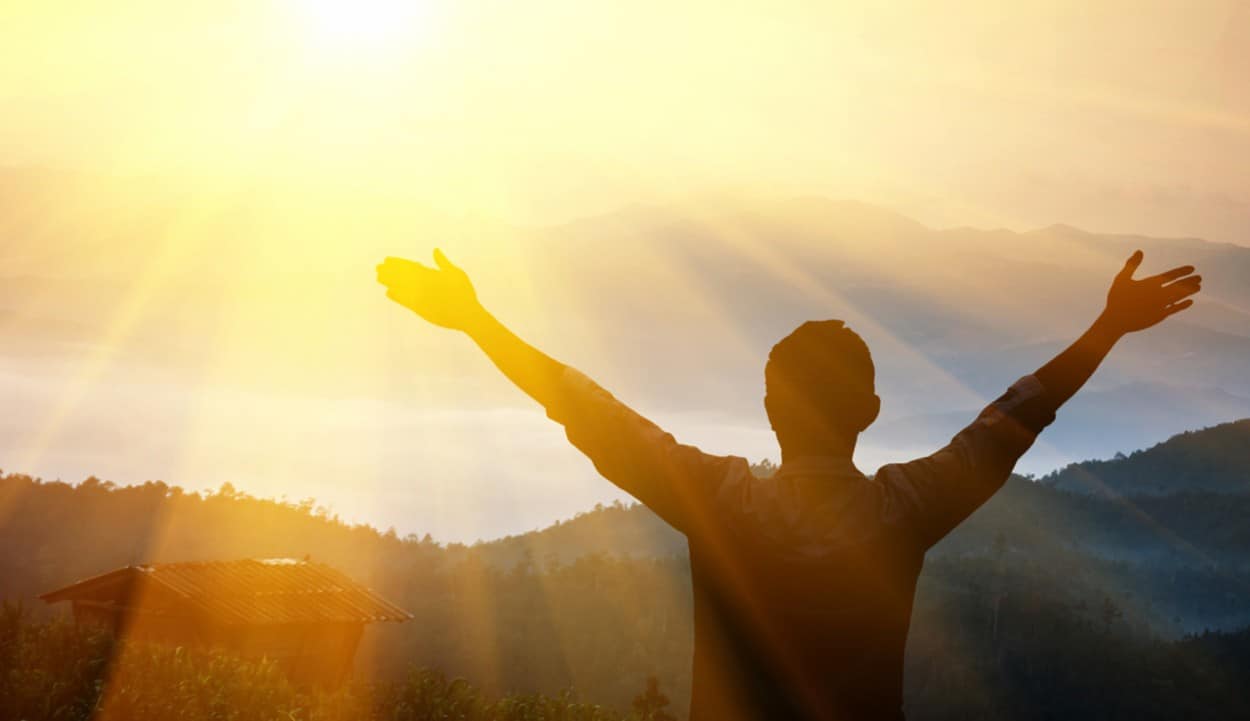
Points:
(363, 25)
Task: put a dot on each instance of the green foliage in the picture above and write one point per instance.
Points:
(1042, 660)
(55, 671)
(1014, 653)
(604, 623)
(652, 704)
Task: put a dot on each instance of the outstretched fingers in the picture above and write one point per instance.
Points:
(393, 262)
(1171, 275)
(1182, 288)
(394, 270)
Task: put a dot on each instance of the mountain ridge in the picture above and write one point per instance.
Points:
(1108, 525)
(1180, 463)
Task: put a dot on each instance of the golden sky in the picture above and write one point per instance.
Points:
(1124, 116)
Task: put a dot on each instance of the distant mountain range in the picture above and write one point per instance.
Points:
(181, 297)
(952, 315)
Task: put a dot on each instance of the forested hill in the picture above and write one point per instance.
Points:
(1182, 501)
(610, 589)
(1169, 513)
(1034, 519)
(1215, 459)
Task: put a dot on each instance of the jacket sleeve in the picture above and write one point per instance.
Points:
(676, 481)
(930, 496)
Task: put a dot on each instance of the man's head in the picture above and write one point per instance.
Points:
(819, 386)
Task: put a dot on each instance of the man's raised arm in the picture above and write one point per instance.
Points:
(934, 494)
(627, 449)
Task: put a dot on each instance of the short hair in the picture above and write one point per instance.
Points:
(821, 368)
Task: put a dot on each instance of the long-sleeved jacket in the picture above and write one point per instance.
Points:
(803, 582)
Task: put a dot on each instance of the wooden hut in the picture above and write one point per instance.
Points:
(306, 616)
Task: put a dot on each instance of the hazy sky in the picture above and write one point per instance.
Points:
(1123, 115)
(1112, 116)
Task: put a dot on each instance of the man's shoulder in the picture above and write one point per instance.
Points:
(733, 472)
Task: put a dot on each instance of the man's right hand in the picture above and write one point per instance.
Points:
(444, 295)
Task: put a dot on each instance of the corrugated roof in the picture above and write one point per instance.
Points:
(254, 591)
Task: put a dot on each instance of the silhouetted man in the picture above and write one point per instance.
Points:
(803, 582)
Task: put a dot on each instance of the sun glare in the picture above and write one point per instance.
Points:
(363, 25)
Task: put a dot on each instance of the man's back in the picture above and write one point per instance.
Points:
(803, 582)
(803, 624)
